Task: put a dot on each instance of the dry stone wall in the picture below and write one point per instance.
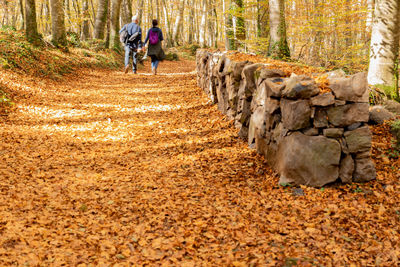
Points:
(309, 137)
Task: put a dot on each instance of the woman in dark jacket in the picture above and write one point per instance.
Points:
(155, 51)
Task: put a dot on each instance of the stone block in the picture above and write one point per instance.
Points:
(308, 160)
(295, 114)
(353, 88)
(342, 116)
(358, 140)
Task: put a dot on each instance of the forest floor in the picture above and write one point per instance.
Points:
(102, 167)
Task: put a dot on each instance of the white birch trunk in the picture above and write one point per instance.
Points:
(178, 22)
(384, 43)
(203, 25)
(370, 14)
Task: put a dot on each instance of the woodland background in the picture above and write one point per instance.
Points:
(330, 34)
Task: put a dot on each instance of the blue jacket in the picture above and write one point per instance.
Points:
(132, 28)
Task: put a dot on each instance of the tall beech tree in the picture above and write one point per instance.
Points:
(31, 30)
(58, 34)
(101, 19)
(115, 24)
(85, 24)
(278, 45)
(383, 65)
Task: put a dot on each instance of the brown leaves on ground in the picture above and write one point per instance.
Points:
(287, 67)
(107, 168)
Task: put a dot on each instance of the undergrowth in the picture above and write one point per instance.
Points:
(5, 101)
(19, 55)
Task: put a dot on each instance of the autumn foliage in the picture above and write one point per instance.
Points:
(106, 168)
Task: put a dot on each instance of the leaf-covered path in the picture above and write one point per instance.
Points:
(109, 168)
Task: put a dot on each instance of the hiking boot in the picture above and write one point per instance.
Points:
(134, 72)
(126, 69)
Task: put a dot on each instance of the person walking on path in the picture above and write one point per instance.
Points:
(133, 43)
(155, 51)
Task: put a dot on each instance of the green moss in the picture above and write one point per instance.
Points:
(390, 91)
(395, 129)
(17, 54)
(171, 57)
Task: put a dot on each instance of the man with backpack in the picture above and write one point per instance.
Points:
(155, 51)
(131, 37)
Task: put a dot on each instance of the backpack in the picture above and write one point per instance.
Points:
(124, 37)
(153, 37)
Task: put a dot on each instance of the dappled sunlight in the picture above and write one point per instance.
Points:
(88, 158)
(45, 112)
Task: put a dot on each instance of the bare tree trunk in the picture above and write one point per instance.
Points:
(108, 25)
(67, 13)
(230, 31)
(216, 31)
(370, 15)
(21, 6)
(167, 25)
(385, 46)
(126, 11)
(278, 46)
(85, 25)
(178, 23)
(158, 10)
(115, 10)
(203, 25)
(239, 27)
(78, 16)
(14, 16)
(262, 19)
(101, 19)
(57, 23)
(139, 11)
(31, 31)
(225, 21)
(5, 15)
(211, 31)
(191, 24)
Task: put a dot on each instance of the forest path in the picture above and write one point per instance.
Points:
(110, 169)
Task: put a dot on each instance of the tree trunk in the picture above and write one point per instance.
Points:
(230, 31)
(278, 46)
(21, 6)
(101, 19)
(240, 30)
(67, 13)
(216, 30)
(191, 24)
(85, 25)
(178, 23)
(108, 25)
(57, 23)
(370, 14)
(139, 11)
(31, 31)
(203, 25)
(262, 19)
(5, 16)
(167, 25)
(384, 52)
(126, 11)
(115, 9)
